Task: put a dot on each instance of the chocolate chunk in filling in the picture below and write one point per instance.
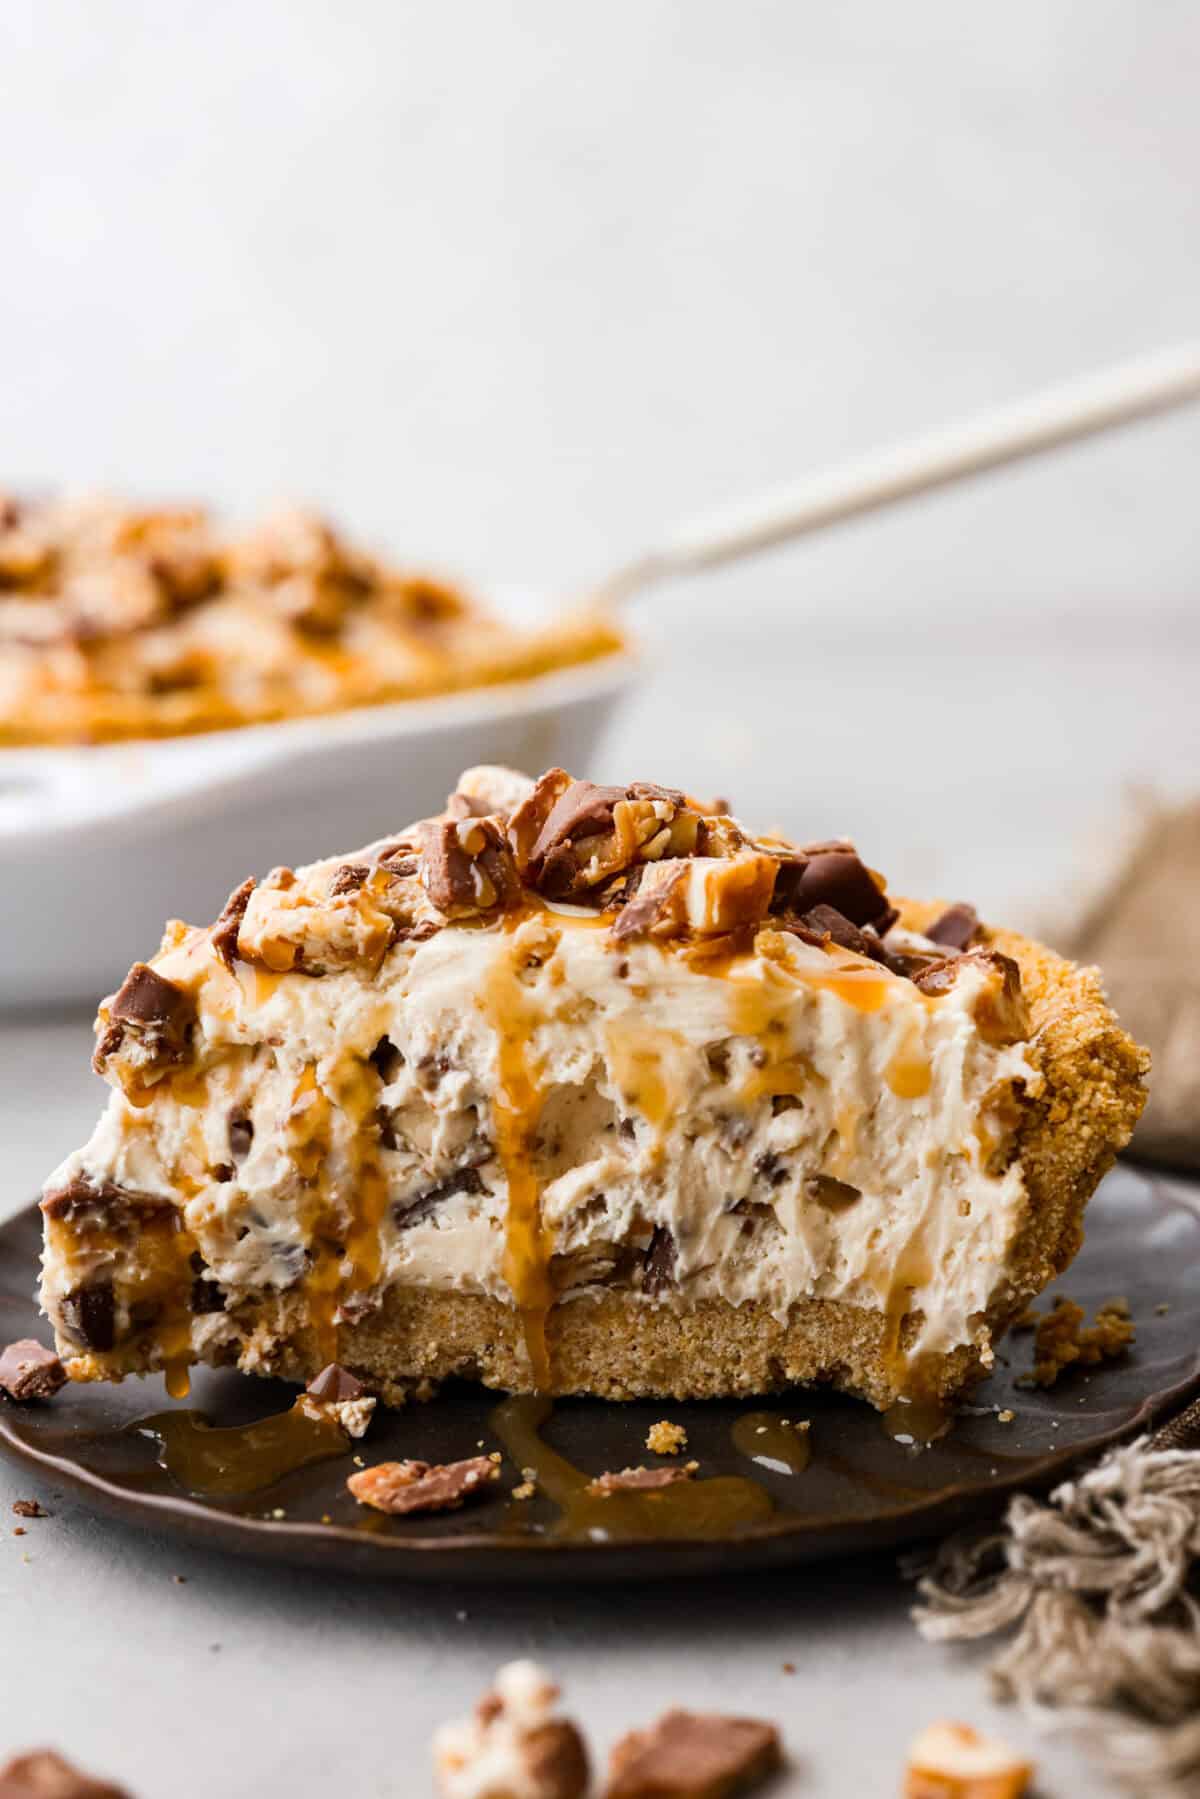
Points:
(225, 930)
(206, 1295)
(30, 1371)
(1000, 1011)
(416, 1211)
(89, 1316)
(955, 928)
(241, 1136)
(101, 1205)
(659, 1269)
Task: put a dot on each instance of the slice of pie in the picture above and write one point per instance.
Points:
(585, 1089)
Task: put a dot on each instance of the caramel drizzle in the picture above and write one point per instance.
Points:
(308, 1129)
(761, 999)
(516, 1111)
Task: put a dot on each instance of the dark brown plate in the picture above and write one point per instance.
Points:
(862, 1490)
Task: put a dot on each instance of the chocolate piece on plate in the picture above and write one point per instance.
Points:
(640, 1480)
(30, 1371)
(335, 1384)
(403, 1487)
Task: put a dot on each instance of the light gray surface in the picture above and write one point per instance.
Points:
(507, 288)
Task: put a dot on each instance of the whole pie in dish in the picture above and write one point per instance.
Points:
(117, 623)
(585, 1089)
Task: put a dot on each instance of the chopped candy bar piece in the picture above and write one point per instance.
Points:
(953, 1761)
(514, 1747)
(694, 1755)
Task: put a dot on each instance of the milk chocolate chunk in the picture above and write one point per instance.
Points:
(584, 810)
(640, 1480)
(89, 1316)
(30, 1371)
(827, 924)
(1000, 1011)
(348, 878)
(403, 1487)
(416, 1211)
(838, 878)
(42, 1774)
(335, 1384)
(229, 921)
(694, 1755)
(87, 1205)
(955, 928)
(467, 866)
(528, 820)
(650, 903)
(660, 1262)
(159, 1014)
(206, 1296)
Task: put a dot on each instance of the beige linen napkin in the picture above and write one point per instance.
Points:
(1141, 925)
(1098, 1583)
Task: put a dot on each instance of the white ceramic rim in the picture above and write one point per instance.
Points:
(92, 787)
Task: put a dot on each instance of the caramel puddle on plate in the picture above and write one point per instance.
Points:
(917, 1423)
(772, 1442)
(692, 1509)
(226, 1463)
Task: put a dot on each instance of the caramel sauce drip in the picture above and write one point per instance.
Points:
(760, 1010)
(772, 1442)
(917, 1422)
(909, 1074)
(648, 1067)
(158, 1282)
(308, 1131)
(356, 1088)
(227, 1463)
(695, 1510)
(516, 1109)
(911, 1269)
(855, 987)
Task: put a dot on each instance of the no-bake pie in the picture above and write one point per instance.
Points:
(585, 1089)
(119, 623)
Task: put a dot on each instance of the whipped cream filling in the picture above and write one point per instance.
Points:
(522, 1110)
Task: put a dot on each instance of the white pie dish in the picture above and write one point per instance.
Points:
(101, 845)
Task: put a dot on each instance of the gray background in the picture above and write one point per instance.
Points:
(506, 289)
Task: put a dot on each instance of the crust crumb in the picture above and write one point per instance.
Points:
(1062, 1339)
(665, 1438)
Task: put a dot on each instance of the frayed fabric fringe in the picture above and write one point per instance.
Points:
(1100, 1582)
